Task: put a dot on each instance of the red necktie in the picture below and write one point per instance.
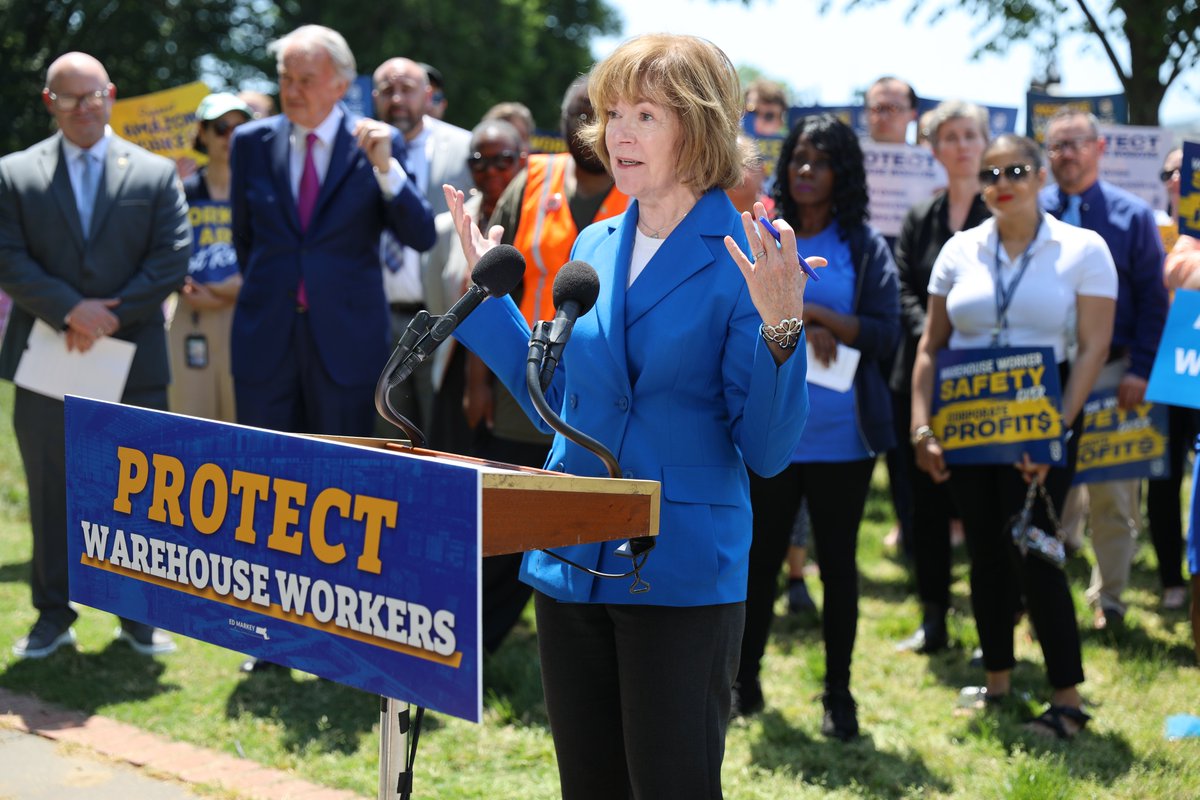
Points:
(306, 202)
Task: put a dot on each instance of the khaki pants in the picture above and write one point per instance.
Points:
(1112, 511)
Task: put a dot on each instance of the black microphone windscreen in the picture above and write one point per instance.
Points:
(577, 281)
(499, 270)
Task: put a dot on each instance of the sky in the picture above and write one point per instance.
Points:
(829, 59)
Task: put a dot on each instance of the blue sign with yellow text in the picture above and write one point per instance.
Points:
(355, 564)
(1175, 377)
(991, 405)
(1119, 443)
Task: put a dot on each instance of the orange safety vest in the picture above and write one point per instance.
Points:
(547, 232)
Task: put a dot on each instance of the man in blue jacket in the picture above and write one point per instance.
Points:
(312, 190)
(1127, 225)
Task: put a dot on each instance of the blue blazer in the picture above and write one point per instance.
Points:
(673, 377)
(338, 255)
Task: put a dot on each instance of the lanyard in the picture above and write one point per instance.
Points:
(1004, 295)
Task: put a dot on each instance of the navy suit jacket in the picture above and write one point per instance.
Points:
(337, 256)
(673, 377)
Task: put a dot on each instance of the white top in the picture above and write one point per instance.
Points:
(1064, 262)
(644, 248)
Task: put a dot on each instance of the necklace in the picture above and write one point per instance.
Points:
(656, 233)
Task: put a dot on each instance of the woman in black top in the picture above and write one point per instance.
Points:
(958, 133)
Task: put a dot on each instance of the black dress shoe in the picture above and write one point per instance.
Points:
(43, 639)
(747, 699)
(145, 639)
(927, 640)
(841, 715)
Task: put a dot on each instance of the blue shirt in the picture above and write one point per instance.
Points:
(1126, 223)
(835, 437)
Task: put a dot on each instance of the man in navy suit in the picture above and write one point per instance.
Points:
(312, 190)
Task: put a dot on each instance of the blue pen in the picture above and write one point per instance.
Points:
(809, 271)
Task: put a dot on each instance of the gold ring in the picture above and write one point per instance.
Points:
(760, 254)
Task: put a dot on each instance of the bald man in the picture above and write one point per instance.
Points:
(437, 154)
(94, 235)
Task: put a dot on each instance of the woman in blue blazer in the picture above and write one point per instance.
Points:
(690, 364)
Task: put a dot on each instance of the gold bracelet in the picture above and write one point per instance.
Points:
(786, 334)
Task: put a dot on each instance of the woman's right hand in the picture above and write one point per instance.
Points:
(930, 459)
(824, 343)
(474, 243)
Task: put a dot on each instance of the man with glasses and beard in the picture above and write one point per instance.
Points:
(437, 154)
(1126, 223)
(542, 212)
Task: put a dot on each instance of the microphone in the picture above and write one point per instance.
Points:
(576, 288)
(497, 273)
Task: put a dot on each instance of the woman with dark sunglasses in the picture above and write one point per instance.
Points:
(201, 384)
(1020, 279)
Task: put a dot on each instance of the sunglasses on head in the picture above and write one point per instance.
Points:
(222, 127)
(1014, 172)
(505, 159)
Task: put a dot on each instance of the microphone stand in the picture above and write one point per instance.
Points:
(636, 548)
(413, 340)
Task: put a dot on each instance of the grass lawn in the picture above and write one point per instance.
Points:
(913, 744)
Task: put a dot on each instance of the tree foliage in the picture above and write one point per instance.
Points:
(145, 47)
(1149, 43)
(488, 50)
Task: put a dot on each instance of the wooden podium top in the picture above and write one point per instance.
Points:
(525, 508)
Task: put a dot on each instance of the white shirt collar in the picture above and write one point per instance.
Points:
(99, 149)
(326, 130)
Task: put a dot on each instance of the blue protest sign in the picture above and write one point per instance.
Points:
(357, 565)
(1121, 444)
(213, 257)
(992, 405)
(1189, 190)
(1175, 377)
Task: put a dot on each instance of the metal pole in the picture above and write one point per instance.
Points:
(395, 781)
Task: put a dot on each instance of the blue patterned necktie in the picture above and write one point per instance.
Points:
(86, 199)
(1070, 214)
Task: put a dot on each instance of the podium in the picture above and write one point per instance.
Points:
(356, 560)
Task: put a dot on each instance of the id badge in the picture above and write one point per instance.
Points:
(195, 347)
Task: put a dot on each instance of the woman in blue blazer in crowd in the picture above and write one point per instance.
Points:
(821, 191)
(691, 363)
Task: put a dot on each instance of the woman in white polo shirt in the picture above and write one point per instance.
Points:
(1020, 279)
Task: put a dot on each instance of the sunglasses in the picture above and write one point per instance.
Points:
(505, 159)
(1014, 172)
(223, 127)
(1167, 175)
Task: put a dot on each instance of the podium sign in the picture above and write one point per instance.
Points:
(359, 565)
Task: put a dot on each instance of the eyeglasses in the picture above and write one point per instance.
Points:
(222, 127)
(1168, 175)
(1014, 172)
(505, 159)
(767, 116)
(69, 102)
(886, 109)
(1061, 146)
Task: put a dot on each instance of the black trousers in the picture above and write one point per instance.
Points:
(41, 438)
(988, 496)
(1162, 497)
(638, 696)
(836, 493)
(932, 509)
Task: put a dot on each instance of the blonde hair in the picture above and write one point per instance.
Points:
(694, 79)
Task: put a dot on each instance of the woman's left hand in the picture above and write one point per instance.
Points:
(200, 297)
(773, 273)
(1031, 471)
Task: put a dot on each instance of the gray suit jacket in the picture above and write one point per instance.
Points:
(137, 250)
(449, 148)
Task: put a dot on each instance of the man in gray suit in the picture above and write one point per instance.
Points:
(437, 154)
(94, 235)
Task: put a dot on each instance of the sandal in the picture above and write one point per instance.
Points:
(1052, 720)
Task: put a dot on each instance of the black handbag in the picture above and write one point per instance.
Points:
(1031, 540)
